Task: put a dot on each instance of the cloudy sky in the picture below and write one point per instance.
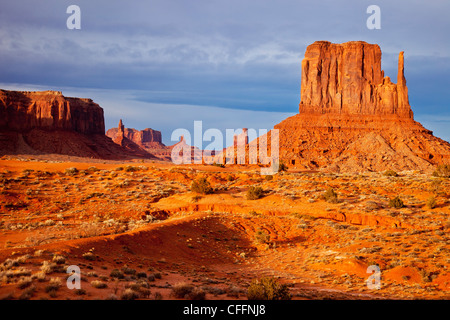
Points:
(230, 63)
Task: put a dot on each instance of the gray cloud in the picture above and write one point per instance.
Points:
(214, 54)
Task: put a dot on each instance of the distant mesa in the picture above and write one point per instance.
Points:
(46, 122)
(353, 118)
(147, 138)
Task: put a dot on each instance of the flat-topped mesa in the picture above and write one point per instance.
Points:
(23, 111)
(347, 79)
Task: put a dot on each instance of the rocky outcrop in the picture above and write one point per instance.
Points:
(141, 142)
(147, 138)
(353, 118)
(347, 79)
(22, 111)
(47, 122)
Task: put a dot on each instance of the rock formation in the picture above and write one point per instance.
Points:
(353, 118)
(49, 110)
(147, 138)
(46, 122)
(120, 136)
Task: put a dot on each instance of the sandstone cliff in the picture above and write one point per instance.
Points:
(147, 138)
(353, 118)
(47, 122)
(347, 79)
(50, 110)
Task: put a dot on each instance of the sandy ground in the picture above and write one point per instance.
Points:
(138, 227)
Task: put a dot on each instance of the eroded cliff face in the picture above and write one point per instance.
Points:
(347, 79)
(139, 141)
(46, 122)
(23, 111)
(145, 138)
(353, 118)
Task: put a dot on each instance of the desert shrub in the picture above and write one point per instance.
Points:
(254, 193)
(282, 167)
(157, 275)
(196, 294)
(129, 294)
(54, 285)
(157, 296)
(396, 203)
(330, 196)
(116, 273)
(201, 186)
(141, 275)
(80, 292)
(442, 170)
(268, 289)
(230, 177)
(27, 293)
(71, 171)
(431, 202)
(220, 165)
(131, 169)
(129, 271)
(269, 177)
(89, 256)
(59, 259)
(99, 284)
(262, 236)
(181, 290)
(390, 173)
(24, 283)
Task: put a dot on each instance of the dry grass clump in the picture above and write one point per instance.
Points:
(330, 196)
(254, 193)
(442, 170)
(431, 202)
(99, 284)
(268, 289)
(183, 290)
(71, 171)
(54, 285)
(396, 203)
(129, 294)
(201, 186)
(262, 236)
(390, 173)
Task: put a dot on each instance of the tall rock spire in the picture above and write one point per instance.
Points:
(402, 89)
(347, 79)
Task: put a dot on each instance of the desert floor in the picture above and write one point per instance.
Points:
(136, 230)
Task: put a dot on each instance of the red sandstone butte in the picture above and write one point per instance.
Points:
(353, 118)
(46, 122)
(147, 138)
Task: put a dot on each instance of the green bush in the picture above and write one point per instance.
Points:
(201, 186)
(254, 193)
(396, 203)
(268, 289)
(442, 170)
(330, 196)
